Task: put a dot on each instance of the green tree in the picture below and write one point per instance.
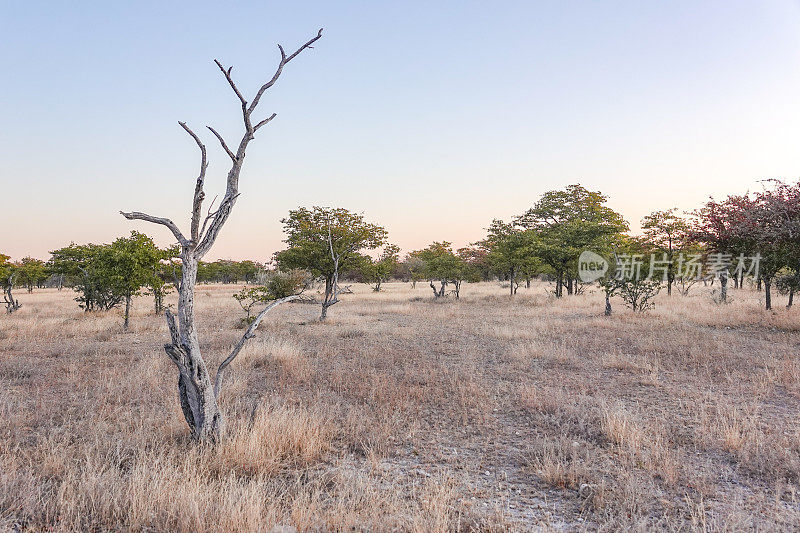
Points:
(325, 241)
(512, 252)
(79, 263)
(444, 266)
(130, 263)
(568, 222)
(667, 233)
(278, 285)
(109, 274)
(31, 272)
(414, 268)
(377, 271)
(631, 271)
(165, 271)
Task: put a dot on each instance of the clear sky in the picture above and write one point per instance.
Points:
(431, 118)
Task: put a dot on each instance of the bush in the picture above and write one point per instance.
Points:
(278, 285)
(638, 294)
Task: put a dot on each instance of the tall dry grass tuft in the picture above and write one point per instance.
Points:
(273, 439)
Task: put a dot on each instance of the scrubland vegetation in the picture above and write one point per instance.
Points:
(404, 411)
(481, 407)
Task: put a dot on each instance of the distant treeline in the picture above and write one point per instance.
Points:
(721, 240)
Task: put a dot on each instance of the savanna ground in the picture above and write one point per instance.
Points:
(405, 413)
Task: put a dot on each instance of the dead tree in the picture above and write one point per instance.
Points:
(198, 396)
(12, 304)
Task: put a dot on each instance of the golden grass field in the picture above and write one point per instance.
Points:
(404, 413)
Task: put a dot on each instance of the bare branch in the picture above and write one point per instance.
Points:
(227, 74)
(135, 215)
(284, 60)
(264, 122)
(218, 218)
(245, 112)
(232, 189)
(222, 142)
(250, 333)
(307, 45)
(209, 215)
(199, 195)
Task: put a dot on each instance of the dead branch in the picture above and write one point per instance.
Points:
(136, 215)
(199, 195)
(222, 142)
(249, 334)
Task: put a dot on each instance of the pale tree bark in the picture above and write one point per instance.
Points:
(198, 397)
(332, 290)
(12, 304)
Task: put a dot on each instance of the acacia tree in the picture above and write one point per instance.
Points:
(666, 232)
(511, 252)
(415, 268)
(31, 272)
(128, 264)
(198, 397)
(326, 241)
(566, 223)
(444, 266)
(87, 267)
(477, 258)
(377, 271)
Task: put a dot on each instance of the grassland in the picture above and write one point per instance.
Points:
(405, 413)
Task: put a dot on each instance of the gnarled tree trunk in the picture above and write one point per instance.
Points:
(12, 304)
(198, 396)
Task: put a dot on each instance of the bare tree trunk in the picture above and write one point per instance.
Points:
(127, 312)
(195, 391)
(329, 298)
(608, 306)
(11, 304)
(791, 298)
(158, 301)
(331, 282)
(767, 292)
(197, 396)
(723, 287)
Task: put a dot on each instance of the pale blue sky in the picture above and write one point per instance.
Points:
(430, 117)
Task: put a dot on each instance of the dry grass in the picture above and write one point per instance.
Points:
(403, 413)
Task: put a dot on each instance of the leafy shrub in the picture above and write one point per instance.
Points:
(278, 285)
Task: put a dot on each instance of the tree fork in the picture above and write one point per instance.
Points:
(198, 395)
